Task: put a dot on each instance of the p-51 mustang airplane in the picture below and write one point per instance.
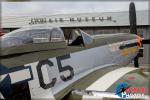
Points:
(38, 63)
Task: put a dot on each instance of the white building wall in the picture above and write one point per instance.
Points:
(117, 19)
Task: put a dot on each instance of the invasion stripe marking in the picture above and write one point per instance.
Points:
(103, 83)
(19, 76)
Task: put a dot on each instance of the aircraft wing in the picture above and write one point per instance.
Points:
(104, 82)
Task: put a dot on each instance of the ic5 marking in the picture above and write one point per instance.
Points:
(60, 67)
(65, 68)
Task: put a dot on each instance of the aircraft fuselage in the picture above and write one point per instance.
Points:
(47, 73)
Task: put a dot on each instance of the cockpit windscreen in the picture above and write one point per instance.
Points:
(26, 36)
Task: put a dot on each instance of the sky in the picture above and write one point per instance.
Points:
(66, 7)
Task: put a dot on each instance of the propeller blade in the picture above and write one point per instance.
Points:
(136, 62)
(132, 18)
(146, 41)
(133, 27)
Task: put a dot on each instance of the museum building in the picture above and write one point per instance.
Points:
(92, 23)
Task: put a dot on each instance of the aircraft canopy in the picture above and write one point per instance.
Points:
(32, 35)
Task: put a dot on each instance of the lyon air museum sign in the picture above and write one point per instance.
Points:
(71, 19)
